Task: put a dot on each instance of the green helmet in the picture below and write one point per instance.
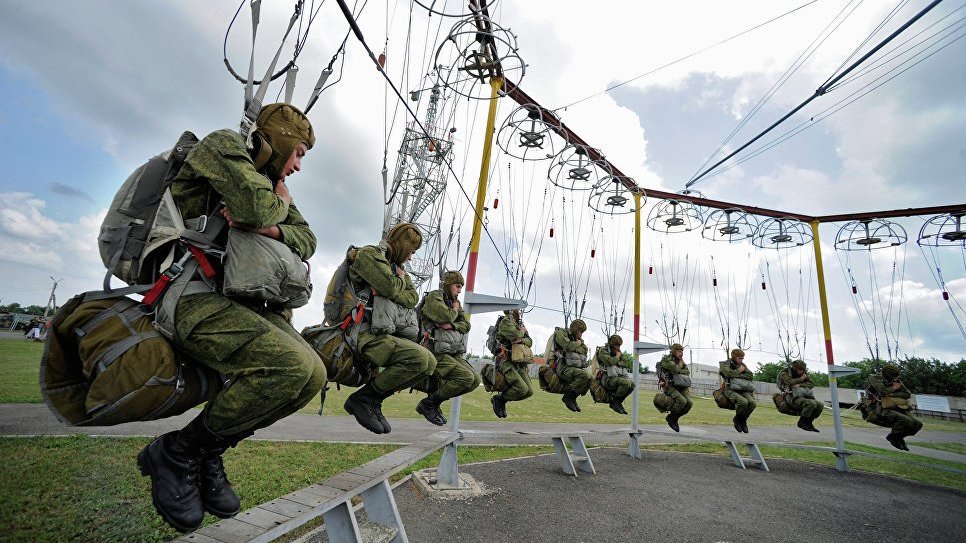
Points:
(677, 347)
(737, 353)
(402, 241)
(615, 341)
(890, 372)
(578, 327)
(279, 129)
(453, 277)
(798, 365)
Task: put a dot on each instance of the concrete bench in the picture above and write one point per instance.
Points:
(332, 500)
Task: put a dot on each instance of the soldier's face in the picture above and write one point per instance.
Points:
(294, 163)
(678, 354)
(455, 290)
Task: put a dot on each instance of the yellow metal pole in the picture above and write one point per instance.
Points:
(448, 471)
(496, 84)
(841, 463)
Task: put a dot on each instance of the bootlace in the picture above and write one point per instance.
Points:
(214, 471)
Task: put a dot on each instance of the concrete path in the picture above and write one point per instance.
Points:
(676, 497)
(36, 419)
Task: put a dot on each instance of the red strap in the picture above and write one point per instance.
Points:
(202, 260)
(151, 297)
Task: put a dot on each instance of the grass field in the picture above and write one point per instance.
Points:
(20, 361)
(79, 488)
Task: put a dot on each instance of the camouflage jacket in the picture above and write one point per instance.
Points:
(669, 365)
(786, 381)
(729, 370)
(563, 341)
(219, 168)
(883, 390)
(438, 309)
(509, 332)
(605, 359)
(371, 269)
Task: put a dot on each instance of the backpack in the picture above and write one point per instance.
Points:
(335, 345)
(493, 343)
(341, 297)
(95, 370)
(143, 223)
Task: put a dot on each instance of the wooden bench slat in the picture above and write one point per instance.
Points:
(346, 481)
(324, 491)
(195, 537)
(231, 531)
(285, 507)
(263, 518)
(306, 499)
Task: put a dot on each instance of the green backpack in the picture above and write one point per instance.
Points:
(93, 370)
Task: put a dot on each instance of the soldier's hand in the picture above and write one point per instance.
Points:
(226, 213)
(282, 192)
(446, 326)
(896, 385)
(400, 272)
(741, 368)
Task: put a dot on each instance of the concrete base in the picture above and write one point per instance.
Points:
(428, 485)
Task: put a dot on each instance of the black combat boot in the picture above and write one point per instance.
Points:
(737, 423)
(499, 405)
(570, 400)
(365, 405)
(672, 421)
(617, 407)
(896, 441)
(744, 425)
(216, 491)
(173, 462)
(807, 425)
(902, 441)
(429, 408)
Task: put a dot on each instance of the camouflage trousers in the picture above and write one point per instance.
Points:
(403, 363)
(901, 422)
(453, 375)
(518, 381)
(744, 403)
(680, 402)
(808, 409)
(618, 387)
(273, 372)
(575, 380)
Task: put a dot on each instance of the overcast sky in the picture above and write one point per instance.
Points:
(90, 89)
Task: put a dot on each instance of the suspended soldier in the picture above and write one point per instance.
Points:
(514, 363)
(570, 358)
(389, 334)
(273, 372)
(796, 388)
(445, 328)
(674, 378)
(889, 407)
(613, 373)
(739, 388)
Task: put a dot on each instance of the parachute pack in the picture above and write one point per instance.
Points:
(340, 296)
(493, 343)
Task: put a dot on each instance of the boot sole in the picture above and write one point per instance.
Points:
(426, 415)
(221, 514)
(348, 406)
(144, 465)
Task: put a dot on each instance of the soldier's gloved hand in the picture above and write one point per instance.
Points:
(282, 192)
(400, 272)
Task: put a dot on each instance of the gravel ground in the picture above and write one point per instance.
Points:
(671, 497)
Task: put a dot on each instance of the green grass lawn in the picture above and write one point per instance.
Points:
(20, 363)
(958, 448)
(80, 488)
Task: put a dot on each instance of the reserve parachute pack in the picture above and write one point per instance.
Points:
(341, 298)
(493, 343)
(104, 364)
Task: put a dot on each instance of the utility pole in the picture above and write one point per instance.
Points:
(52, 301)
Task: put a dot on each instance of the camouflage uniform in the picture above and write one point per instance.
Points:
(903, 424)
(618, 386)
(517, 374)
(454, 374)
(273, 371)
(808, 409)
(680, 397)
(744, 401)
(576, 380)
(403, 361)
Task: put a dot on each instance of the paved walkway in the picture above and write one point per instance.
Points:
(36, 419)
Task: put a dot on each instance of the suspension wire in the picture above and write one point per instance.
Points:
(818, 92)
(936, 271)
(358, 33)
(686, 57)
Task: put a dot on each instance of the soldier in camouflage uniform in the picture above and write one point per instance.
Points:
(894, 398)
(614, 379)
(516, 372)
(446, 327)
(571, 354)
(389, 333)
(673, 364)
(803, 403)
(734, 369)
(272, 371)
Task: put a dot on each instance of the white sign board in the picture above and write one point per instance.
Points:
(925, 402)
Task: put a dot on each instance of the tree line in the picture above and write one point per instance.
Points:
(17, 308)
(920, 375)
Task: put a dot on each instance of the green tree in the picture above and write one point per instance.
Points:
(768, 372)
